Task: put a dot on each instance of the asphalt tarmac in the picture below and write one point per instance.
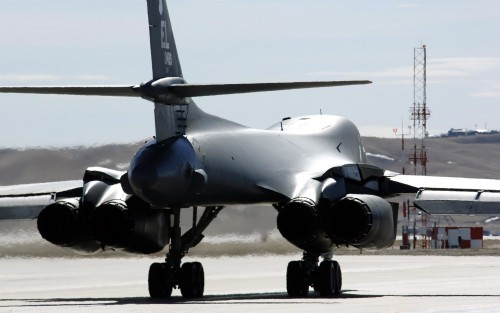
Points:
(256, 283)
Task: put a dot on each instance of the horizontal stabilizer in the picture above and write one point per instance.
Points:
(112, 91)
(226, 89)
(164, 88)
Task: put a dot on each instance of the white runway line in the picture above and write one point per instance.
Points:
(249, 284)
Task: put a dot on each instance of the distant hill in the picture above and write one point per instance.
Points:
(39, 164)
(472, 156)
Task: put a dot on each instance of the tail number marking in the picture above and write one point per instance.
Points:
(164, 43)
(164, 39)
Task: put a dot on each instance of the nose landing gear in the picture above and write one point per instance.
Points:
(190, 277)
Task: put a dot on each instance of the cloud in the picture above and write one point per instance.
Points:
(439, 70)
(29, 77)
(407, 6)
(461, 67)
(92, 77)
(397, 72)
(487, 94)
(36, 78)
(489, 89)
(396, 75)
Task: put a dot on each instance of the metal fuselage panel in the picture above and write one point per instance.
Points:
(240, 165)
(245, 165)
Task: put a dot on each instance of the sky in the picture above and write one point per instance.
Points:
(63, 42)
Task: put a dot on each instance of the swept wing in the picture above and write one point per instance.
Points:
(449, 195)
(27, 200)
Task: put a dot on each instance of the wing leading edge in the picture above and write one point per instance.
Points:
(26, 201)
(449, 195)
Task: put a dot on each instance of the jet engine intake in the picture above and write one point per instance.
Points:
(360, 220)
(299, 222)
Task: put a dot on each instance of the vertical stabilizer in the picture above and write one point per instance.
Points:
(170, 116)
(164, 57)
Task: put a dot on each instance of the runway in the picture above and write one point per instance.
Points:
(248, 284)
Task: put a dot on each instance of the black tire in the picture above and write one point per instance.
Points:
(297, 285)
(192, 280)
(158, 284)
(338, 278)
(326, 279)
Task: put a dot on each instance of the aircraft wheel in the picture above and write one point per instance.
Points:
(338, 278)
(326, 278)
(192, 280)
(329, 278)
(297, 285)
(159, 286)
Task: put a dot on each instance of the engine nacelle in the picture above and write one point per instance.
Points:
(61, 224)
(131, 226)
(105, 216)
(299, 222)
(363, 221)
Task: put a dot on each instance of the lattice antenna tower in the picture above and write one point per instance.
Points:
(419, 111)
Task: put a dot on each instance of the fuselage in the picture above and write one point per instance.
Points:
(241, 165)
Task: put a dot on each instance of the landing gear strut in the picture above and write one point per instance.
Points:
(190, 277)
(325, 278)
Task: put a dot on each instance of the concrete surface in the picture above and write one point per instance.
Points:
(250, 284)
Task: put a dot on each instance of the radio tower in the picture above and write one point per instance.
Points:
(419, 112)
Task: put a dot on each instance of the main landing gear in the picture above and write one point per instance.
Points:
(190, 277)
(325, 278)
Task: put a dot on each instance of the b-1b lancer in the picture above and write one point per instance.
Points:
(312, 169)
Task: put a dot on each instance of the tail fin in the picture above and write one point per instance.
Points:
(170, 120)
(164, 57)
